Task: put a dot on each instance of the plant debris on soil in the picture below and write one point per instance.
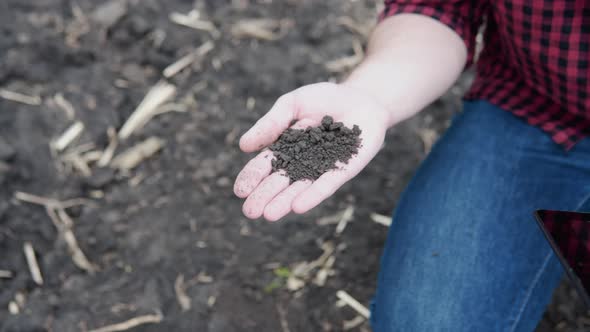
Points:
(306, 154)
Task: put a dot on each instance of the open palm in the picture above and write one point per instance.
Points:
(271, 195)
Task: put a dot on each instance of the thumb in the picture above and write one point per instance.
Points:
(270, 126)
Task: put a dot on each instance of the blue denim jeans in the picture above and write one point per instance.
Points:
(463, 251)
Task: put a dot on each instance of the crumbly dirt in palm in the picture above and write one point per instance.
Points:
(306, 154)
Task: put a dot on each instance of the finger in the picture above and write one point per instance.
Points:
(280, 206)
(263, 194)
(321, 189)
(253, 173)
(327, 184)
(304, 123)
(270, 126)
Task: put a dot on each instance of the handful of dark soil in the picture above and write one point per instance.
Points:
(306, 154)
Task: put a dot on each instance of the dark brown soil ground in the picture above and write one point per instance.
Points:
(306, 154)
(173, 220)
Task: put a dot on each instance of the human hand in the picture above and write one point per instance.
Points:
(272, 195)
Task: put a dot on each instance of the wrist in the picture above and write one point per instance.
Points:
(365, 81)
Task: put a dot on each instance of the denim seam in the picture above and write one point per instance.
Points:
(584, 201)
(530, 291)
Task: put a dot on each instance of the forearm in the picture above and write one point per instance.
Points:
(411, 61)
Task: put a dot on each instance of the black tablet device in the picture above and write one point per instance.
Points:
(569, 236)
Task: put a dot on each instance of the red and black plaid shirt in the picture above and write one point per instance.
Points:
(535, 62)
